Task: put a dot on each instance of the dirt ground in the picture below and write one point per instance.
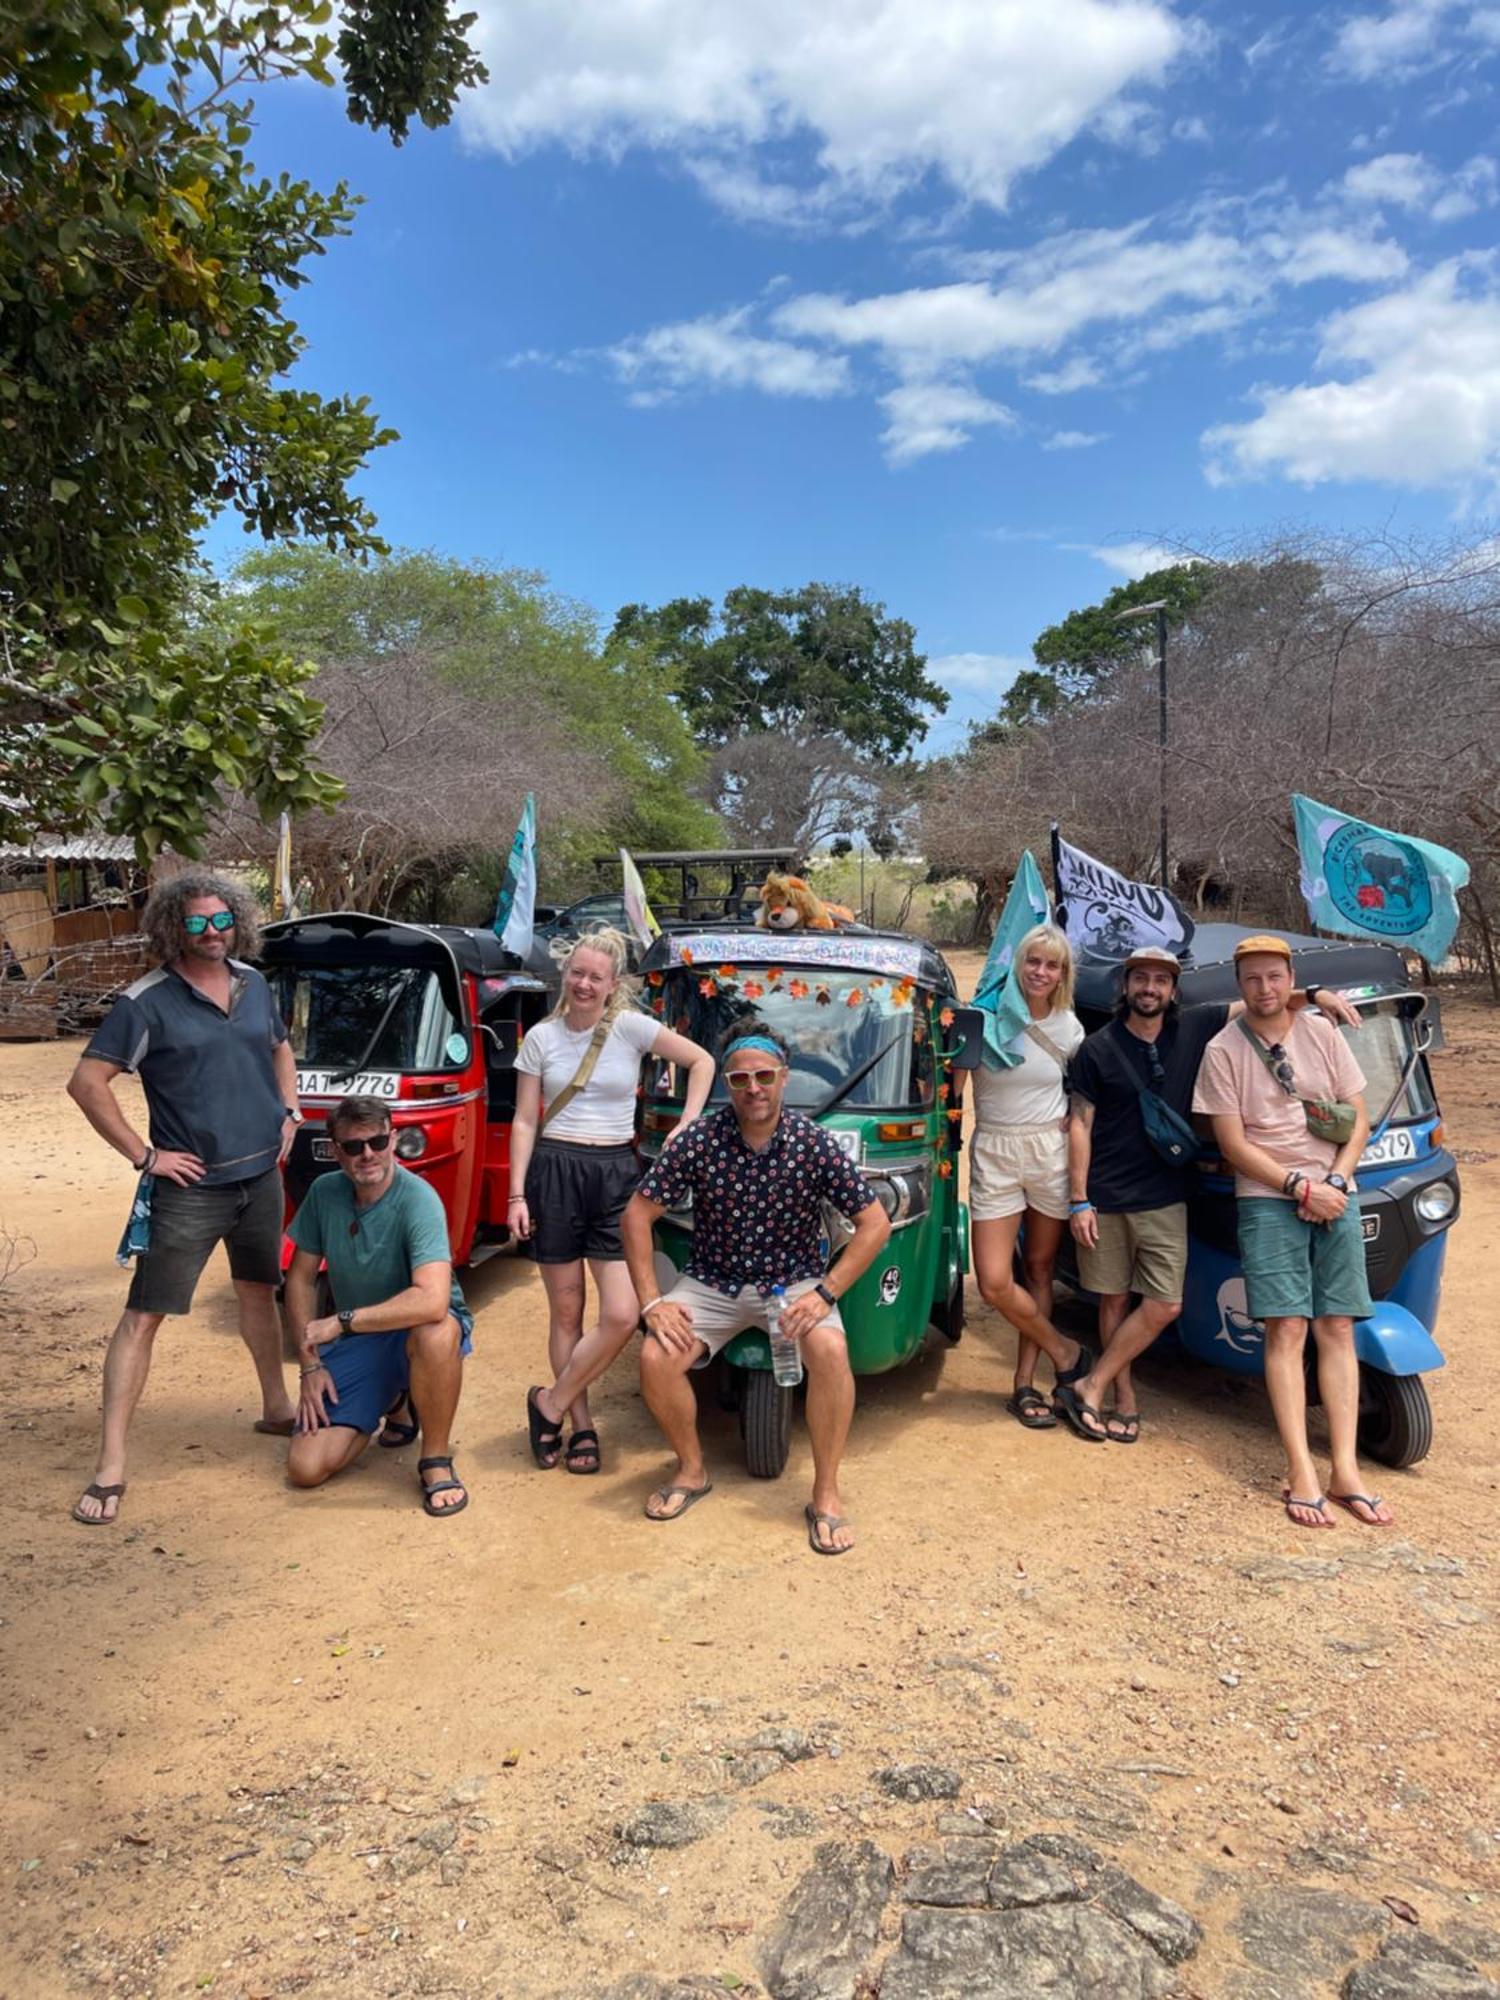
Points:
(260, 1742)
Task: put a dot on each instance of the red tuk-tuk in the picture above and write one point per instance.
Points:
(426, 1017)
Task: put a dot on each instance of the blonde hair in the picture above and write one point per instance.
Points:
(608, 943)
(1048, 939)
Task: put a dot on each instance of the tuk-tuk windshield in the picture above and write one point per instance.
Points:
(378, 1017)
(832, 1020)
(1382, 1046)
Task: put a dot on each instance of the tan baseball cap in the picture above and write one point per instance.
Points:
(1153, 954)
(1252, 947)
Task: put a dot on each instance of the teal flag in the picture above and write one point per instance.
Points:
(1005, 1009)
(515, 908)
(1361, 881)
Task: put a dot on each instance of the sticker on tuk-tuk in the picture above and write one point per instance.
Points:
(848, 1143)
(1398, 1143)
(890, 1284)
(338, 1083)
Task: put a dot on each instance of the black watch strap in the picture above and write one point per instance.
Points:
(829, 1298)
(346, 1318)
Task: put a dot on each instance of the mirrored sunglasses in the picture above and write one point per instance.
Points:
(741, 1079)
(221, 920)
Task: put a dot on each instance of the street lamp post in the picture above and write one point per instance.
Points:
(1157, 609)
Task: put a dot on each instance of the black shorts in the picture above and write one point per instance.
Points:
(576, 1195)
(186, 1224)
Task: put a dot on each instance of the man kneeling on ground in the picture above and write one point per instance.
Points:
(757, 1177)
(400, 1333)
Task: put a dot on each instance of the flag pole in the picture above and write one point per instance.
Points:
(1058, 907)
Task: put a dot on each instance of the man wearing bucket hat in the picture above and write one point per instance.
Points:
(1286, 1098)
(1130, 1147)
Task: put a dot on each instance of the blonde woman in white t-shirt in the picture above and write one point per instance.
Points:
(570, 1183)
(1018, 1171)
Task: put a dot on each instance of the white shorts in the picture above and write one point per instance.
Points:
(1016, 1168)
(719, 1316)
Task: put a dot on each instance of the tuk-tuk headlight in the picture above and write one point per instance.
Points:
(1435, 1203)
(411, 1143)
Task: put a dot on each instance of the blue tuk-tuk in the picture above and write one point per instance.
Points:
(1408, 1185)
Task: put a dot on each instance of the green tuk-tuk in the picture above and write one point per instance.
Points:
(874, 1028)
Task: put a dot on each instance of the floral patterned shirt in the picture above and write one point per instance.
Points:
(757, 1217)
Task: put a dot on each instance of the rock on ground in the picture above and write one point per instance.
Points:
(830, 1925)
(1413, 1966)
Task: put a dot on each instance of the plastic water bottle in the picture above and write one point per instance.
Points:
(786, 1356)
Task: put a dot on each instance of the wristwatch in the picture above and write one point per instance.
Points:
(1336, 1181)
(346, 1319)
(829, 1298)
(296, 1114)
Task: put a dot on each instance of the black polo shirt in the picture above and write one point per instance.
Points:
(209, 1081)
(1110, 1069)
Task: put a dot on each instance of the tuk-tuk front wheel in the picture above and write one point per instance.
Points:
(766, 1421)
(1395, 1417)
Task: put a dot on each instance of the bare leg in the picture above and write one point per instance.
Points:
(1286, 1385)
(127, 1363)
(994, 1247)
(596, 1350)
(670, 1399)
(830, 1411)
(1038, 1258)
(260, 1329)
(1132, 1337)
(1338, 1382)
(315, 1456)
(564, 1286)
(437, 1373)
(1113, 1308)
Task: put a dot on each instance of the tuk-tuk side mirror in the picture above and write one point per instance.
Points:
(965, 1039)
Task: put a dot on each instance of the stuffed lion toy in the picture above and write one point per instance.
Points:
(788, 904)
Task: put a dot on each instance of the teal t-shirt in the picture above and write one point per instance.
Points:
(372, 1252)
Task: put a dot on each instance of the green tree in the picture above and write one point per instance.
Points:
(143, 349)
(1075, 657)
(822, 660)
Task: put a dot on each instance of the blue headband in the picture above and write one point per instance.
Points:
(754, 1042)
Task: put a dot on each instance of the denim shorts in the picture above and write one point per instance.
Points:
(187, 1223)
(370, 1370)
(1302, 1270)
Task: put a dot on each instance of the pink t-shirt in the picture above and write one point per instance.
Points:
(1234, 1078)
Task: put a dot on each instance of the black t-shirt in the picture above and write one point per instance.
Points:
(1110, 1070)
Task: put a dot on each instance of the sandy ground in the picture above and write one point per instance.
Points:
(261, 1743)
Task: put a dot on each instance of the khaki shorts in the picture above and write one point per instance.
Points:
(1139, 1250)
(719, 1316)
(1016, 1168)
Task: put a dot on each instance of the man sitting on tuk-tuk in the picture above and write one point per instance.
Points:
(400, 1328)
(1268, 1081)
(757, 1177)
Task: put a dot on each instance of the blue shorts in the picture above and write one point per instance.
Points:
(370, 1370)
(1302, 1270)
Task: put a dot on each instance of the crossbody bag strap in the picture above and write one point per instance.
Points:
(1034, 1034)
(581, 1075)
(1261, 1050)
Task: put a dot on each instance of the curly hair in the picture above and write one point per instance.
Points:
(750, 1024)
(608, 943)
(161, 920)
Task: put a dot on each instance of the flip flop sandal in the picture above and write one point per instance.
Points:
(1318, 1506)
(1068, 1403)
(100, 1493)
(1126, 1436)
(440, 1486)
(275, 1427)
(582, 1445)
(546, 1436)
(1349, 1501)
(395, 1432)
(1087, 1356)
(694, 1495)
(814, 1520)
(1031, 1411)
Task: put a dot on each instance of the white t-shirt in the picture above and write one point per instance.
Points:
(1032, 1093)
(605, 1107)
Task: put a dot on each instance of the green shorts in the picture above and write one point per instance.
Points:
(1139, 1250)
(1302, 1270)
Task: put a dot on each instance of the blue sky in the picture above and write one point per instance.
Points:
(979, 304)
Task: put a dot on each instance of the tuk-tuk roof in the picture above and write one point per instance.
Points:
(1208, 975)
(892, 954)
(326, 940)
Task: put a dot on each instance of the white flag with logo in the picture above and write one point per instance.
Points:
(637, 909)
(1106, 916)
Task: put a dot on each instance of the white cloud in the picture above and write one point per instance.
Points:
(720, 352)
(1398, 180)
(887, 91)
(1073, 440)
(924, 417)
(1079, 372)
(1374, 46)
(1131, 559)
(1419, 404)
(978, 673)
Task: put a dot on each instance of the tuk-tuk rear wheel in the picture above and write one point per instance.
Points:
(1395, 1417)
(766, 1421)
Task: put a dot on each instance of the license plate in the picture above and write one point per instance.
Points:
(1399, 1143)
(369, 1083)
(1369, 1227)
(322, 1149)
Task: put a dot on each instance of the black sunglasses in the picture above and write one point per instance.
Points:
(352, 1148)
(221, 920)
(1281, 1069)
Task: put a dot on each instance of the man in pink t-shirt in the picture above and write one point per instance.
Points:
(1300, 1241)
